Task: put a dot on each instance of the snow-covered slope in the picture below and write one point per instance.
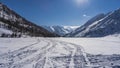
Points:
(17, 25)
(61, 30)
(4, 30)
(99, 26)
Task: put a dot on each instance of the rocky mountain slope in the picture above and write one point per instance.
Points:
(12, 25)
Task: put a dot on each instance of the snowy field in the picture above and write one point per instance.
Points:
(54, 52)
(105, 45)
(40, 53)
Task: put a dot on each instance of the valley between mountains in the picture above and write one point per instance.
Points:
(24, 44)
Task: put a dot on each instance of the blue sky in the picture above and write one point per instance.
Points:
(61, 12)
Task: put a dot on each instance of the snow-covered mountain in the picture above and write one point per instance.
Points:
(61, 30)
(12, 24)
(99, 26)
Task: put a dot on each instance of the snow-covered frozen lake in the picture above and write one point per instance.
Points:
(106, 45)
(54, 52)
(40, 53)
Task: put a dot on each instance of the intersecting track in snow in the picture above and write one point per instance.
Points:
(45, 53)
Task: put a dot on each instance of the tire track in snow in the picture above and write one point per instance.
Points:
(43, 57)
(38, 56)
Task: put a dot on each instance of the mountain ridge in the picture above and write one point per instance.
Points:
(60, 30)
(100, 26)
(19, 25)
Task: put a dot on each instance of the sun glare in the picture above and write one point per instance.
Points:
(81, 2)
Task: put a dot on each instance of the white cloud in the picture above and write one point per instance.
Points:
(84, 15)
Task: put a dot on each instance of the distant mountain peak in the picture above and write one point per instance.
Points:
(60, 30)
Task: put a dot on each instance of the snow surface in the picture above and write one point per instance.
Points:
(54, 52)
(40, 53)
(69, 27)
(103, 45)
(4, 30)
